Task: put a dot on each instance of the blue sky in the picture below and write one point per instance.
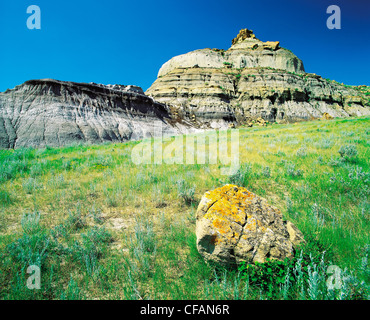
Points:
(126, 42)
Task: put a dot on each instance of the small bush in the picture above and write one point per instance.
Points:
(290, 169)
(31, 222)
(266, 172)
(185, 191)
(348, 152)
(324, 143)
(93, 247)
(113, 196)
(35, 244)
(95, 239)
(289, 205)
(36, 169)
(320, 160)
(72, 292)
(145, 236)
(265, 275)
(241, 177)
(30, 185)
(301, 152)
(304, 276)
(11, 168)
(142, 247)
(75, 220)
(96, 214)
(6, 198)
(30, 249)
(336, 162)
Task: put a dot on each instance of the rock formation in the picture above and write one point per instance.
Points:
(252, 79)
(251, 82)
(235, 225)
(48, 112)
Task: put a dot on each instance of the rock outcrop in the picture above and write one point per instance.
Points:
(252, 79)
(246, 52)
(55, 113)
(235, 225)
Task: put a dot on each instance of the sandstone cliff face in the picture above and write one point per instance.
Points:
(250, 80)
(55, 113)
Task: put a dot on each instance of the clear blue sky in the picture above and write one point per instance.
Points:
(126, 42)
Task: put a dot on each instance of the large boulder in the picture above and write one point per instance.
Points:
(235, 225)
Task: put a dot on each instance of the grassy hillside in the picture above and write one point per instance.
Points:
(102, 227)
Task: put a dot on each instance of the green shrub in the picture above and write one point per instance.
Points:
(301, 152)
(72, 291)
(241, 177)
(185, 192)
(266, 171)
(348, 152)
(35, 244)
(300, 277)
(31, 222)
(265, 275)
(6, 197)
(30, 185)
(290, 170)
(91, 249)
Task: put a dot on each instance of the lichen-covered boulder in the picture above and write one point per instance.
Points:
(235, 225)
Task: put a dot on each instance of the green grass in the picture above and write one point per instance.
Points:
(100, 226)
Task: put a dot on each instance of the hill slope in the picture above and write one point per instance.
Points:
(103, 227)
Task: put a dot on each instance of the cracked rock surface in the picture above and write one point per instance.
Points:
(235, 225)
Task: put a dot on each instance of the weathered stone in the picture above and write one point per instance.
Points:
(243, 34)
(272, 45)
(234, 225)
(261, 122)
(326, 116)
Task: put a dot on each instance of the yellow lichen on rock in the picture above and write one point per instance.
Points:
(219, 225)
(234, 224)
(227, 202)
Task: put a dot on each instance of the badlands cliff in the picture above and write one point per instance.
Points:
(252, 79)
(48, 112)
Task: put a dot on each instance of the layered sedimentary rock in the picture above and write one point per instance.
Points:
(56, 113)
(246, 52)
(252, 79)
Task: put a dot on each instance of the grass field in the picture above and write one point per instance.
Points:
(101, 227)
